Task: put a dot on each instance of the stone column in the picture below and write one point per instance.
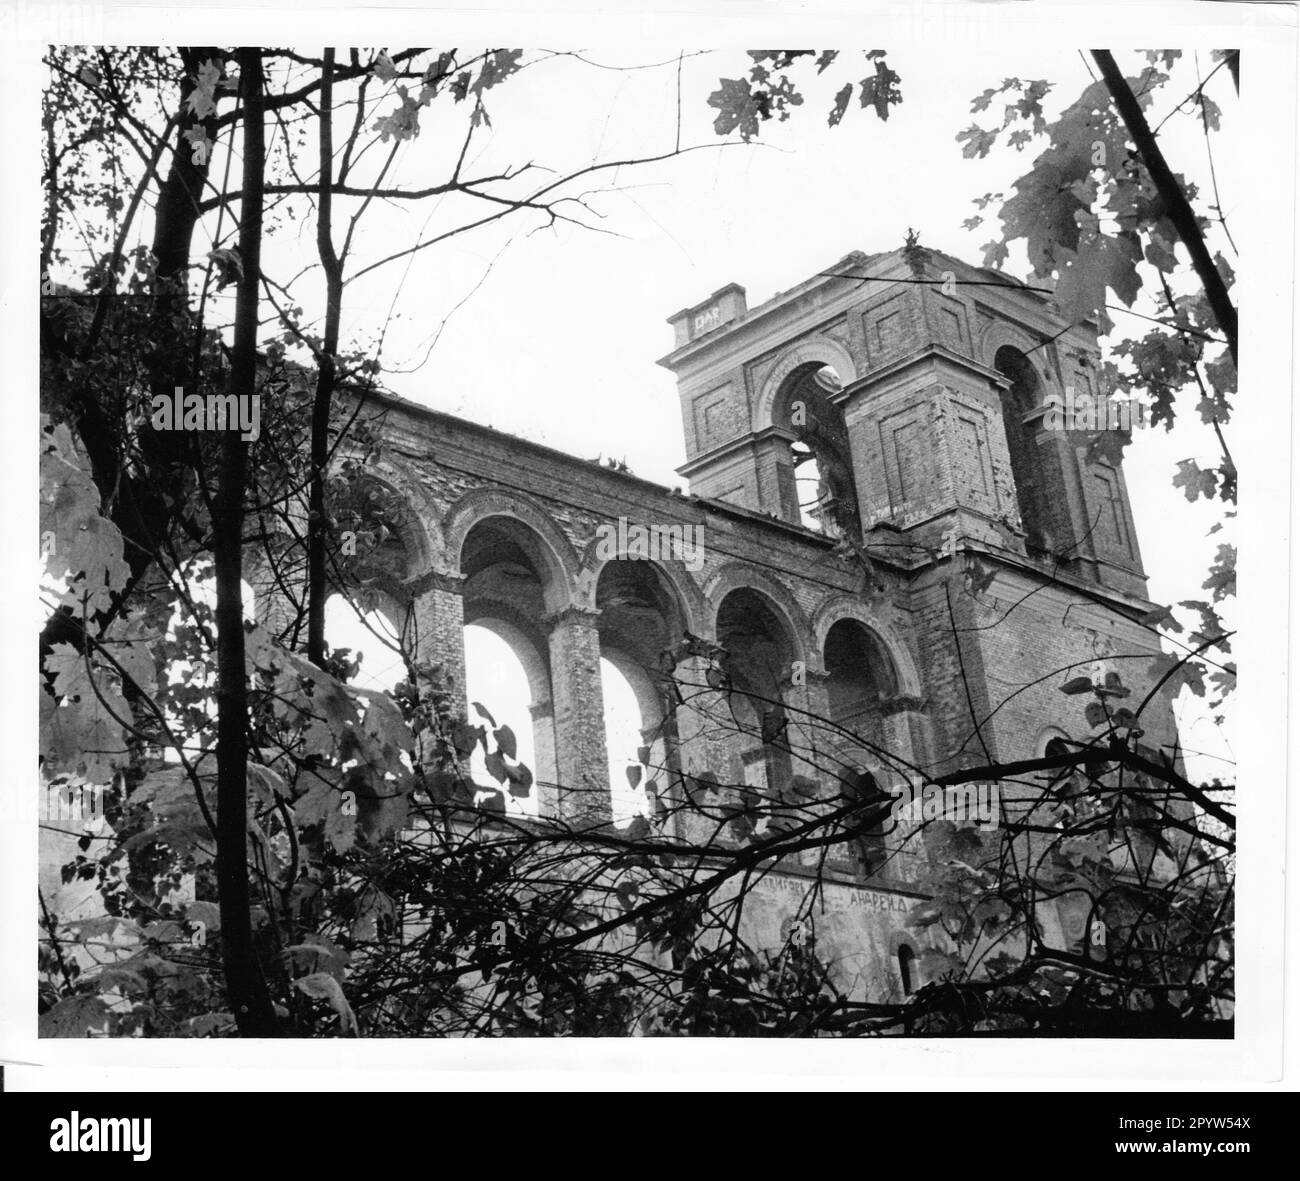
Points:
(775, 474)
(438, 618)
(581, 761)
(545, 774)
(700, 747)
(810, 732)
(697, 721)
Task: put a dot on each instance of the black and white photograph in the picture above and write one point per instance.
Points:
(619, 536)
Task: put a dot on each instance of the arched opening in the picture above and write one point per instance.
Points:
(640, 619)
(368, 633)
(373, 542)
(907, 969)
(821, 488)
(759, 661)
(495, 674)
(629, 771)
(860, 678)
(507, 664)
(368, 560)
(1018, 404)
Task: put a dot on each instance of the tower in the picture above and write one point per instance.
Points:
(898, 401)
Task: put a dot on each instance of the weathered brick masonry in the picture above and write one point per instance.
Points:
(1002, 560)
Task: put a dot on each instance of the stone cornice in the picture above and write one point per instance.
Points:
(434, 580)
(571, 615)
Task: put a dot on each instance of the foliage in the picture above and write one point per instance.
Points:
(392, 895)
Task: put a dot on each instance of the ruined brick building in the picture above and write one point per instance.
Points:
(959, 562)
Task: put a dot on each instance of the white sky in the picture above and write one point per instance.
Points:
(558, 329)
(552, 333)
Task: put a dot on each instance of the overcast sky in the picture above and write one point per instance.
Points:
(553, 334)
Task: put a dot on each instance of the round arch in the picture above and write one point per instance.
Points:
(905, 961)
(841, 607)
(1045, 736)
(687, 598)
(821, 350)
(417, 524)
(737, 576)
(523, 644)
(999, 335)
(547, 544)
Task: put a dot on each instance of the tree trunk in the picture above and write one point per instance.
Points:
(249, 998)
(317, 524)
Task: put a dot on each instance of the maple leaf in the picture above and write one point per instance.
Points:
(1100, 263)
(76, 1016)
(1194, 480)
(975, 141)
(995, 254)
(202, 99)
(496, 69)
(404, 123)
(85, 737)
(737, 107)
(1222, 581)
(71, 676)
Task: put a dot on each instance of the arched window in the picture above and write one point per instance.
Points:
(822, 485)
(373, 540)
(640, 619)
(1032, 491)
(496, 679)
(369, 633)
(759, 662)
(860, 676)
(907, 969)
(628, 775)
(508, 670)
